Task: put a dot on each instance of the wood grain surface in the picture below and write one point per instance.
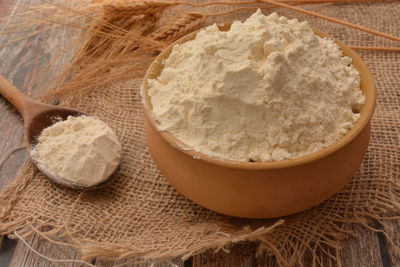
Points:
(25, 64)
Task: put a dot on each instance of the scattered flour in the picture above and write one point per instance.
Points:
(267, 90)
(81, 149)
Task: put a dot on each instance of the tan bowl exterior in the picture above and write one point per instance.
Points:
(260, 190)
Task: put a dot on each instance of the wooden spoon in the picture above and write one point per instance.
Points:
(38, 116)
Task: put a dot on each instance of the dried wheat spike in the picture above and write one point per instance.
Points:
(124, 8)
(183, 25)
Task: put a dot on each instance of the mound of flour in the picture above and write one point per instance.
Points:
(267, 90)
(82, 149)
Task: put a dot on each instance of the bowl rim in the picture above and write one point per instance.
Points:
(366, 112)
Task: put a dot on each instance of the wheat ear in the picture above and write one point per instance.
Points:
(181, 26)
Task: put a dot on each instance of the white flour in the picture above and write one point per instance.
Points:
(80, 149)
(269, 89)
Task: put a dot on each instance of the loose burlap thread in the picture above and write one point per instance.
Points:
(139, 215)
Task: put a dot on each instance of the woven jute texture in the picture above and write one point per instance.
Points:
(140, 216)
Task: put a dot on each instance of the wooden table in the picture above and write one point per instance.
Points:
(22, 64)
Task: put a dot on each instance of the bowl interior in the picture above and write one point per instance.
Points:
(367, 86)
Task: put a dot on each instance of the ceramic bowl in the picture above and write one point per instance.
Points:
(259, 190)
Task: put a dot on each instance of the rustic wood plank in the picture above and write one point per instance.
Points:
(362, 251)
(10, 138)
(6, 248)
(24, 257)
(239, 255)
(393, 231)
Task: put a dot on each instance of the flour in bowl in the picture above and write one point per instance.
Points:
(266, 90)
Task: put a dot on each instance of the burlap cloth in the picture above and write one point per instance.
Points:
(139, 215)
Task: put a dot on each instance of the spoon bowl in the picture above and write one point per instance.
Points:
(37, 117)
(44, 119)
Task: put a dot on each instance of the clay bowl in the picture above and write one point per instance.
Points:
(259, 190)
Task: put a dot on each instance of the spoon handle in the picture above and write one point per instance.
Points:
(19, 100)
